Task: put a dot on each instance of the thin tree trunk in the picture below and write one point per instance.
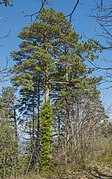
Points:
(66, 72)
(16, 133)
(38, 128)
(59, 131)
(15, 124)
(33, 121)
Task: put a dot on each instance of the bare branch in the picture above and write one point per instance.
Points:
(4, 73)
(43, 2)
(3, 37)
(73, 10)
(6, 2)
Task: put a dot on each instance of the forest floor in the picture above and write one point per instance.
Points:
(98, 171)
(102, 171)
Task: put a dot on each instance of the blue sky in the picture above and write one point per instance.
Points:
(82, 23)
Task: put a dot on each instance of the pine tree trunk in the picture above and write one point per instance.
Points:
(46, 85)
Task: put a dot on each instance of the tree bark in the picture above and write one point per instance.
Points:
(59, 132)
(38, 129)
(46, 85)
(16, 134)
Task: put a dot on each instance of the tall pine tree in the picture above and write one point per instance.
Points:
(52, 50)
